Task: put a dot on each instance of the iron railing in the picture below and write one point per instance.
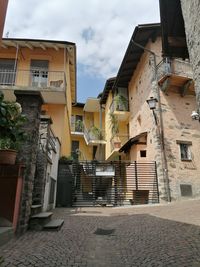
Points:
(177, 67)
(114, 183)
(37, 78)
(119, 105)
(77, 127)
(93, 134)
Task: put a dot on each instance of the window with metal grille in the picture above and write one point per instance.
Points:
(7, 71)
(52, 191)
(185, 151)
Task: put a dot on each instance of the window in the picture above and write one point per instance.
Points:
(185, 151)
(7, 73)
(143, 153)
(39, 72)
(52, 191)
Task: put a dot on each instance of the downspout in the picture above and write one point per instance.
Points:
(15, 65)
(161, 130)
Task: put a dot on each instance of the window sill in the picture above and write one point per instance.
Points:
(186, 160)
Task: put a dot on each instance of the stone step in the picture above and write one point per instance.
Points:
(36, 209)
(38, 220)
(6, 233)
(54, 225)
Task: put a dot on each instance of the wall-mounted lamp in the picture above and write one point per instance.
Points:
(195, 115)
(152, 105)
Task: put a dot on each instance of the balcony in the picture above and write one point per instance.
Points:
(94, 136)
(51, 84)
(120, 107)
(175, 73)
(77, 128)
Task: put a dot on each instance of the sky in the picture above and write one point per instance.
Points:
(101, 30)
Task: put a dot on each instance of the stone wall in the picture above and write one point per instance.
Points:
(191, 12)
(31, 106)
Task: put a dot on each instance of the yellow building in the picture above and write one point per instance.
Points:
(117, 113)
(87, 130)
(45, 66)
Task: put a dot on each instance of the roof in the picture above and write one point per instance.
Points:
(131, 141)
(45, 44)
(79, 105)
(173, 30)
(141, 35)
(108, 86)
(92, 105)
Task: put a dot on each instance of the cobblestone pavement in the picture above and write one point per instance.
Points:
(111, 241)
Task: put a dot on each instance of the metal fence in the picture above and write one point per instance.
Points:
(177, 67)
(114, 183)
(33, 78)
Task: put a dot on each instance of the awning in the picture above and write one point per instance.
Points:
(132, 141)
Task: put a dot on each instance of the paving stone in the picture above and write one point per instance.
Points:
(137, 240)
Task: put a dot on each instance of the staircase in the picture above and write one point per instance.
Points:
(43, 221)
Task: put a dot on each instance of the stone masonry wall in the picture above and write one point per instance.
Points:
(191, 12)
(31, 105)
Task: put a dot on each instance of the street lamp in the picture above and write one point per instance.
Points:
(195, 115)
(152, 103)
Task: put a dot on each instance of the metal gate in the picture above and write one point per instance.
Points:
(114, 183)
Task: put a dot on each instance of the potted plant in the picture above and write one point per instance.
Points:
(79, 126)
(121, 103)
(95, 133)
(11, 133)
(115, 130)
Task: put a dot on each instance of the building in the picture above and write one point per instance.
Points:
(180, 34)
(166, 135)
(3, 9)
(41, 76)
(87, 130)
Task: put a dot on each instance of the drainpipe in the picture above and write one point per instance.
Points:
(15, 65)
(161, 130)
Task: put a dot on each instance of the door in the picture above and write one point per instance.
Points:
(75, 149)
(7, 72)
(39, 73)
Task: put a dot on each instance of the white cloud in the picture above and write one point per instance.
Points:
(107, 26)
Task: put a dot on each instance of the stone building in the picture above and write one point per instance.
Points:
(167, 134)
(181, 33)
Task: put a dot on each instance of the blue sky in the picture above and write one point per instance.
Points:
(101, 30)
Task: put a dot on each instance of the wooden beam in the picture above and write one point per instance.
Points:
(166, 84)
(177, 41)
(185, 87)
(42, 46)
(56, 47)
(29, 46)
(4, 46)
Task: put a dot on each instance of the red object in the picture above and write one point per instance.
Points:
(8, 156)
(11, 184)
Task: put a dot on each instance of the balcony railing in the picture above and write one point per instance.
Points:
(174, 67)
(94, 135)
(77, 127)
(119, 103)
(35, 79)
(117, 141)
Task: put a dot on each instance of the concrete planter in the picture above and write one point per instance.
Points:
(8, 156)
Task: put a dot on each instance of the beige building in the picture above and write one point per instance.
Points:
(166, 134)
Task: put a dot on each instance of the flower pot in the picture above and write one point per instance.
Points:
(117, 144)
(8, 156)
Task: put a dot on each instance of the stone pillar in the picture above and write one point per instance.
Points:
(31, 103)
(191, 11)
